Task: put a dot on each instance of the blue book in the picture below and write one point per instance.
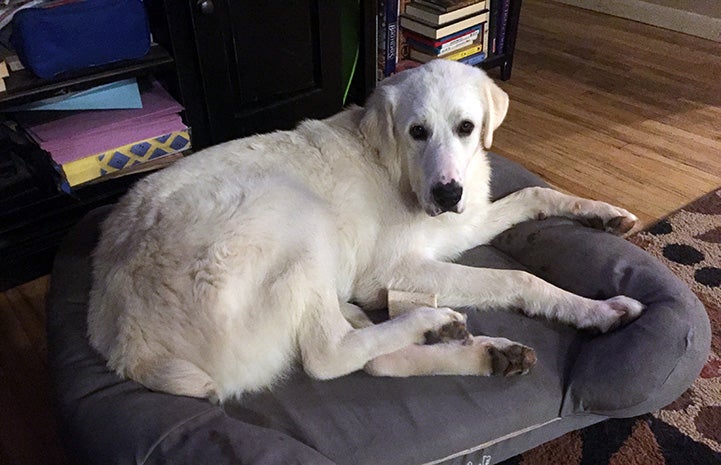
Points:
(474, 59)
(391, 37)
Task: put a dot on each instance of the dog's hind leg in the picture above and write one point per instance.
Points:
(176, 376)
(355, 315)
(330, 347)
(480, 355)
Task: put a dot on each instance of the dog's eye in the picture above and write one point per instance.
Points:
(465, 128)
(418, 132)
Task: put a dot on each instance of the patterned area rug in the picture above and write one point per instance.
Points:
(687, 432)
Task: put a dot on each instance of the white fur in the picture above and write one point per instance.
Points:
(212, 277)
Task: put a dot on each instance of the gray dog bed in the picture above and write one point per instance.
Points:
(580, 379)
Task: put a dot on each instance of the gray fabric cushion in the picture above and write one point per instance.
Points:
(360, 419)
(669, 342)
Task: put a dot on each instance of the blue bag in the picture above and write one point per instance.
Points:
(55, 39)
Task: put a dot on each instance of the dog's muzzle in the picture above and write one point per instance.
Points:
(447, 196)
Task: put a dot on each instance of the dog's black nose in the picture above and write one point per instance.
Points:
(448, 195)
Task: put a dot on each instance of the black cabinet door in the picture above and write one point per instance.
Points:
(267, 65)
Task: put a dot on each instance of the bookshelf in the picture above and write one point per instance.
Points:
(32, 226)
(503, 60)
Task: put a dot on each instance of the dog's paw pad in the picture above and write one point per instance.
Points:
(605, 217)
(621, 224)
(453, 331)
(515, 359)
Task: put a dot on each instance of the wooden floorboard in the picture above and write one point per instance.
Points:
(613, 109)
(28, 433)
(600, 107)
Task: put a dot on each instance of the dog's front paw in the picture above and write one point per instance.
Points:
(604, 216)
(429, 320)
(613, 313)
(512, 359)
(516, 359)
(453, 331)
(621, 225)
(499, 356)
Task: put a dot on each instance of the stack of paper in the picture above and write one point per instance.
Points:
(87, 145)
(114, 96)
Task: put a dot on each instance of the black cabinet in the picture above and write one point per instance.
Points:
(253, 67)
(267, 65)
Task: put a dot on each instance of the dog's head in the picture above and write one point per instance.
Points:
(435, 119)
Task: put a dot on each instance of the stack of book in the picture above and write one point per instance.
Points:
(449, 29)
(87, 146)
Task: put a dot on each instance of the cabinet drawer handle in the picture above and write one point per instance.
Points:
(206, 6)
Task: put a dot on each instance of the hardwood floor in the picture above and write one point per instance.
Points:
(615, 110)
(601, 107)
(28, 435)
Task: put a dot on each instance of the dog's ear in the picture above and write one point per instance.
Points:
(376, 125)
(497, 107)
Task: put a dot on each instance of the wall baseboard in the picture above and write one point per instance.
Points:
(656, 15)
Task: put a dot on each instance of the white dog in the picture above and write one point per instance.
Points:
(214, 276)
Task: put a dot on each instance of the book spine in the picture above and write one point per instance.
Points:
(430, 4)
(437, 43)
(391, 37)
(492, 27)
(403, 47)
(458, 43)
(445, 9)
(381, 40)
(444, 33)
(448, 47)
(96, 166)
(485, 37)
(434, 51)
(463, 53)
(502, 23)
(474, 59)
(422, 16)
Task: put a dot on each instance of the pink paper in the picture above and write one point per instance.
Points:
(76, 135)
(77, 148)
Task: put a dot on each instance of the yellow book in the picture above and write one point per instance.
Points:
(95, 166)
(457, 55)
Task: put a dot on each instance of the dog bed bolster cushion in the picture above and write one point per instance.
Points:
(656, 357)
